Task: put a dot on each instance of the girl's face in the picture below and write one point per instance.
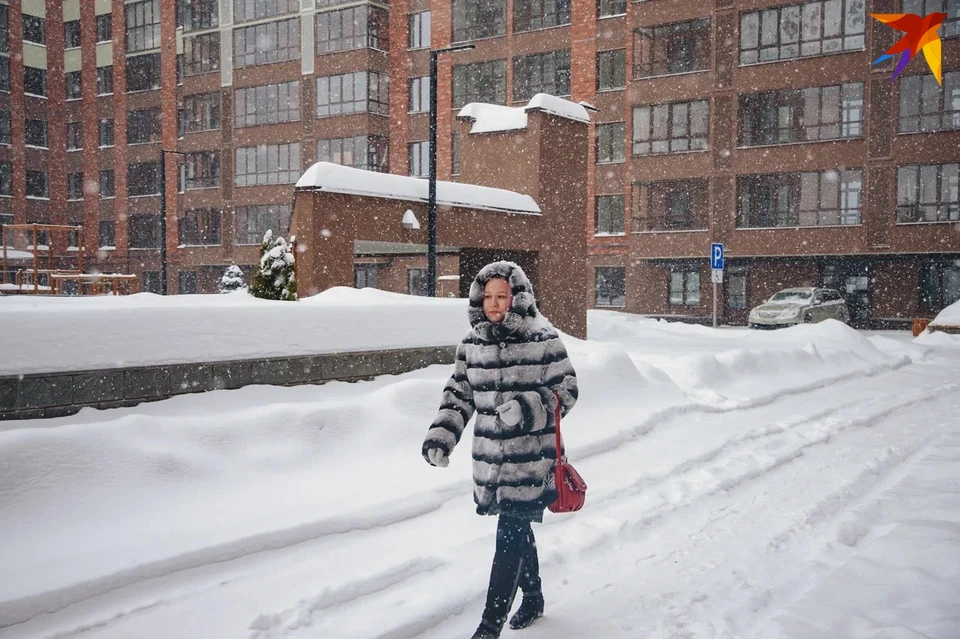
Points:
(496, 299)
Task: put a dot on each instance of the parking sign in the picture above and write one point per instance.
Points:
(716, 256)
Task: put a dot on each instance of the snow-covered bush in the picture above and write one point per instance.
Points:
(232, 280)
(274, 278)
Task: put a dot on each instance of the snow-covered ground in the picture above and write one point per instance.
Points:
(803, 483)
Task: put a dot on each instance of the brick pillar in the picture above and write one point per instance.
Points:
(56, 122)
(441, 33)
(399, 87)
(91, 135)
(583, 86)
(17, 114)
(120, 130)
(168, 135)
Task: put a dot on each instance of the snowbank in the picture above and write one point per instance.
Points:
(950, 316)
(69, 334)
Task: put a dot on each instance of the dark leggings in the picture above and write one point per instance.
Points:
(514, 564)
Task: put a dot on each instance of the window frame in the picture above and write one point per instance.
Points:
(247, 40)
(531, 74)
(690, 294)
(33, 175)
(613, 219)
(617, 74)
(654, 48)
(418, 30)
(946, 201)
(603, 282)
(271, 104)
(142, 25)
(376, 100)
(672, 142)
(33, 29)
(201, 112)
(476, 79)
(149, 169)
(149, 74)
(937, 113)
(369, 152)
(266, 217)
(200, 227)
(41, 78)
(768, 34)
(606, 149)
(254, 164)
(201, 54)
(536, 15)
(104, 26)
(418, 156)
(471, 20)
(71, 34)
(370, 29)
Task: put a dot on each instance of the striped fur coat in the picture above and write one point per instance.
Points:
(521, 359)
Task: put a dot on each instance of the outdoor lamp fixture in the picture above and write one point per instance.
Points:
(410, 221)
(163, 218)
(432, 192)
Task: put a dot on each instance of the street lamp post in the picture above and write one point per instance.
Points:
(163, 218)
(432, 188)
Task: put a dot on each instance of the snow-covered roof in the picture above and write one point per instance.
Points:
(326, 176)
(13, 254)
(491, 118)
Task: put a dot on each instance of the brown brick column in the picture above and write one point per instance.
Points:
(91, 136)
(168, 125)
(17, 114)
(583, 86)
(56, 122)
(441, 33)
(399, 86)
(120, 130)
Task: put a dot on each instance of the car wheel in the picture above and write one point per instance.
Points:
(807, 319)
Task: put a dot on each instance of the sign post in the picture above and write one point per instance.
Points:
(716, 267)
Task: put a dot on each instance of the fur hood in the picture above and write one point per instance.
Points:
(522, 320)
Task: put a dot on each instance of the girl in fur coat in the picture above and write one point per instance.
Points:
(511, 369)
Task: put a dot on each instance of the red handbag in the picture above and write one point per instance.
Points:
(571, 489)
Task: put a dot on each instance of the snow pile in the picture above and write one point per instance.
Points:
(495, 118)
(69, 334)
(950, 316)
(335, 178)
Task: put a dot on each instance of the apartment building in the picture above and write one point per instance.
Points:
(757, 123)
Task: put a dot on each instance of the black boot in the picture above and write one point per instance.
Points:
(531, 609)
(486, 631)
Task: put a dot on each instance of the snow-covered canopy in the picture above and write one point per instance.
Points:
(326, 176)
(491, 118)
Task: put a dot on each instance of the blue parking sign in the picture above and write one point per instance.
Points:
(716, 256)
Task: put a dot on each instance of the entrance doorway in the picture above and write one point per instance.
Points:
(853, 281)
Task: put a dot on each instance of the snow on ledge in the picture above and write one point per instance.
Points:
(335, 178)
(493, 118)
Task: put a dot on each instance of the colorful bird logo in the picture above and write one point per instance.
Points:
(921, 34)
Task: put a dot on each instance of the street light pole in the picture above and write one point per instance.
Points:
(432, 187)
(163, 218)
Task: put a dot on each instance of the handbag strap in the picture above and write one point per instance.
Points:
(556, 423)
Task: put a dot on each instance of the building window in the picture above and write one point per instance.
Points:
(266, 43)
(672, 48)
(34, 29)
(4, 72)
(268, 164)
(107, 234)
(106, 183)
(202, 170)
(200, 14)
(143, 72)
(939, 286)
(671, 128)
(611, 69)
(6, 181)
(71, 34)
(151, 282)
(539, 14)
(37, 184)
(609, 219)
(104, 27)
(611, 8)
(419, 156)
(254, 221)
(611, 286)
(928, 193)
(361, 152)
(802, 115)
(364, 276)
(685, 288)
(143, 25)
(74, 136)
(673, 206)
(188, 283)
(143, 126)
(611, 140)
(244, 10)
(5, 131)
(419, 24)
(360, 92)
(144, 231)
(813, 28)
(455, 153)
(268, 104)
(951, 25)
(541, 73)
(200, 227)
(924, 106)
(417, 281)
(201, 54)
(480, 82)
(825, 198)
(201, 112)
(475, 19)
(75, 186)
(73, 85)
(420, 94)
(736, 290)
(143, 178)
(36, 133)
(361, 27)
(35, 81)
(104, 80)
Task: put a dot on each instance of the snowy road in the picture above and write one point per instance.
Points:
(804, 484)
